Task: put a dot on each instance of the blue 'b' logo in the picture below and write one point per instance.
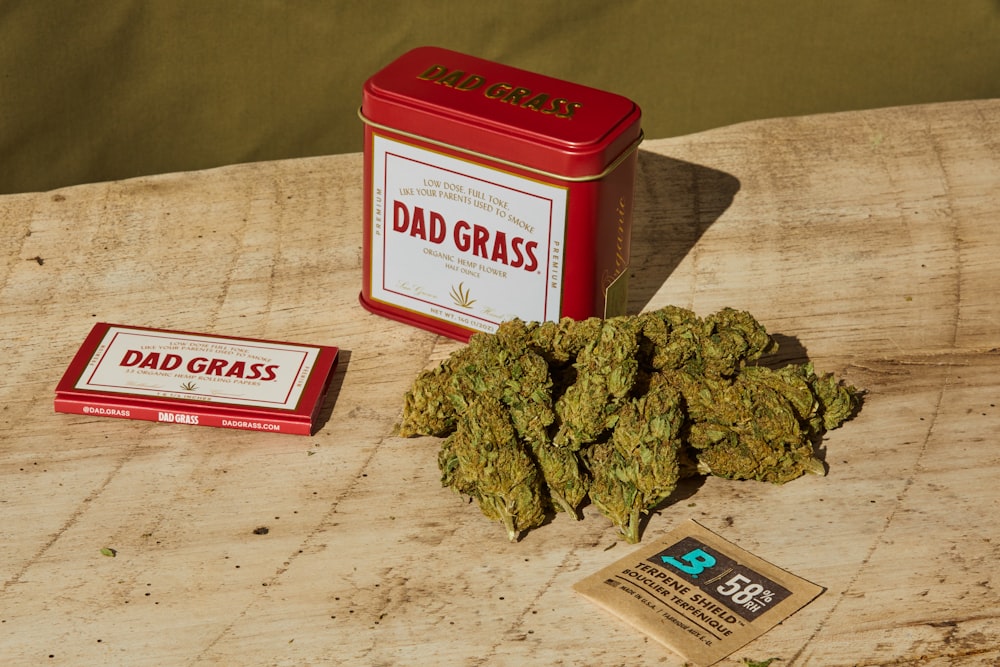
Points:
(696, 562)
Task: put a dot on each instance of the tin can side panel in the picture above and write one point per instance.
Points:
(598, 244)
(615, 205)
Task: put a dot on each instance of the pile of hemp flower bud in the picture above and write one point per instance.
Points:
(539, 416)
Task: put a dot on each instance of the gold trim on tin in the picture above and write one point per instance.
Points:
(592, 177)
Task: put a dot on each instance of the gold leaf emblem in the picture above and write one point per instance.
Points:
(189, 386)
(460, 295)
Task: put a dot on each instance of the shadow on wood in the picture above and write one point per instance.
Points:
(675, 203)
(336, 382)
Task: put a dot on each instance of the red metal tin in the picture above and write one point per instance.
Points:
(197, 379)
(493, 193)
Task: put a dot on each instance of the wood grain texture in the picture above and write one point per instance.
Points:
(866, 241)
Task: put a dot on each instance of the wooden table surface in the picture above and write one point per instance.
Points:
(868, 242)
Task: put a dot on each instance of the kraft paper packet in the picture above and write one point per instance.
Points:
(698, 594)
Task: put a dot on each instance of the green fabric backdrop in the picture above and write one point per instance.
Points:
(106, 89)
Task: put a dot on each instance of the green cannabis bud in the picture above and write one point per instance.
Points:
(605, 373)
(538, 417)
(564, 477)
(761, 424)
(637, 468)
(484, 459)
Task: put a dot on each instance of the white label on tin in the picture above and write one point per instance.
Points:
(464, 243)
(195, 367)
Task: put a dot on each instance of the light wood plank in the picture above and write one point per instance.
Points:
(868, 241)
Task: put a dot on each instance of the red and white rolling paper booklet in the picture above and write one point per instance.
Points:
(187, 378)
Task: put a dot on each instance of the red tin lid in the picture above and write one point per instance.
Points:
(488, 109)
